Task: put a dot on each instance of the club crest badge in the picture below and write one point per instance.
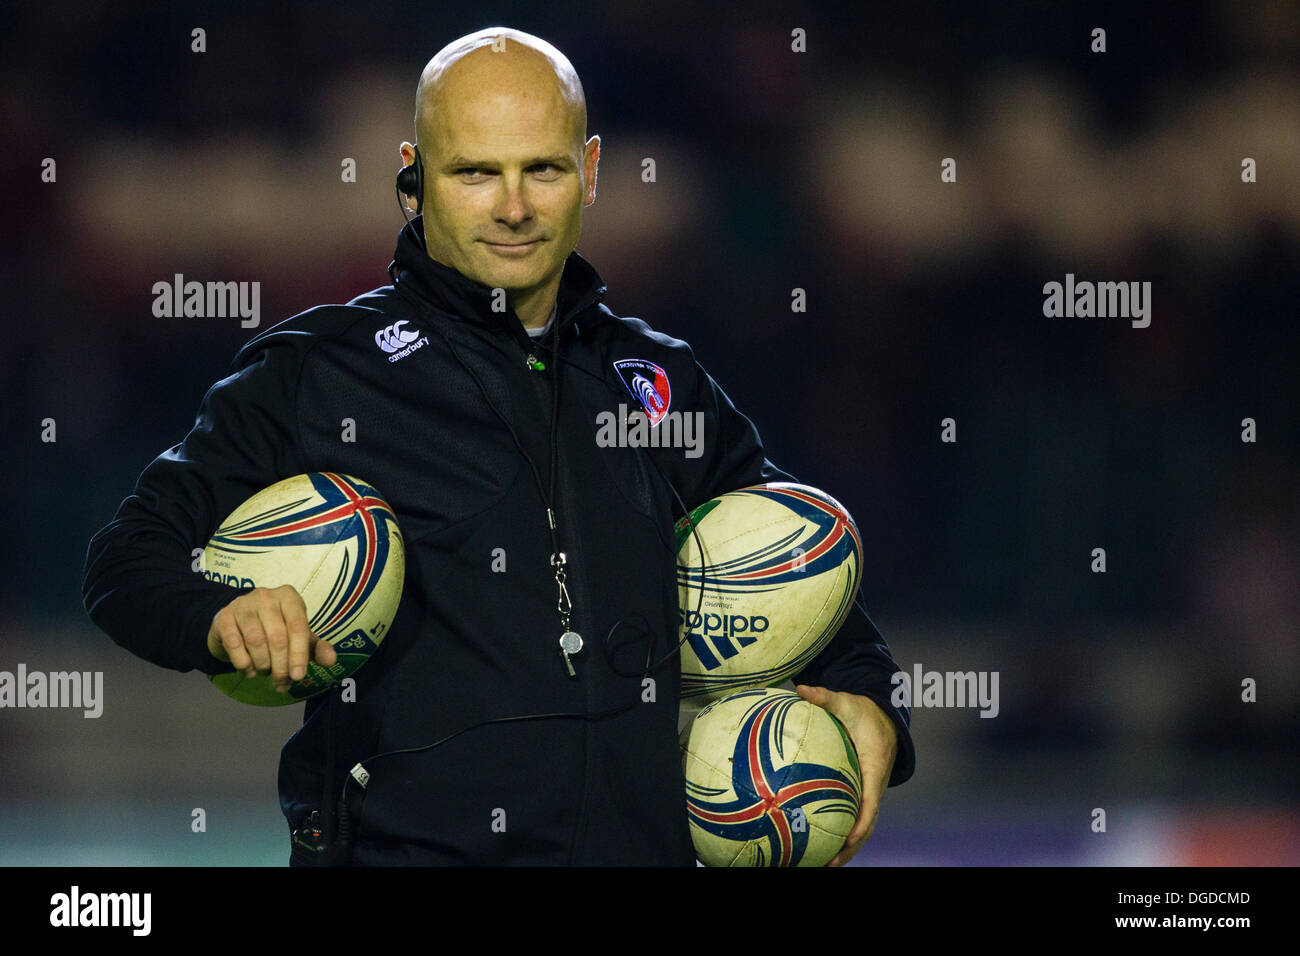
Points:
(648, 384)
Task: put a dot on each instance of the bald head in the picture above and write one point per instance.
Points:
(499, 66)
(501, 122)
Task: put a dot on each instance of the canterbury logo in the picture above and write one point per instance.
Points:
(394, 337)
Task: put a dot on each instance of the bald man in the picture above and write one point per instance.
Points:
(523, 707)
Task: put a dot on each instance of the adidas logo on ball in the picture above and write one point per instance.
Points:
(722, 635)
(231, 579)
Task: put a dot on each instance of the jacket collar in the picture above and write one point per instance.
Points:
(442, 287)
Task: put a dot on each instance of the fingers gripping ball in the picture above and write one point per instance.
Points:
(336, 541)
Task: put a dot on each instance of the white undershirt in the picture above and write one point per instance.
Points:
(538, 333)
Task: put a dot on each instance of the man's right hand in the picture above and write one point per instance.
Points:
(266, 630)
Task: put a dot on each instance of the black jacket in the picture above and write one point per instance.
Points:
(470, 643)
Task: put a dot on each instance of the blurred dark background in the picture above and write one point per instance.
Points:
(775, 170)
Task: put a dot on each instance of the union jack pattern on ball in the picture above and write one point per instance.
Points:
(774, 565)
(773, 805)
(336, 541)
(329, 522)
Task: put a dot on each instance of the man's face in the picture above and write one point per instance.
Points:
(505, 180)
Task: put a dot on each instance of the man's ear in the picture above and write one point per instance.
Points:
(591, 159)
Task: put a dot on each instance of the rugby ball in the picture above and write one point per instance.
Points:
(771, 780)
(765, 578)
(336, 540)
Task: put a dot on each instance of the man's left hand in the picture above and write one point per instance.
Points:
(876, 741)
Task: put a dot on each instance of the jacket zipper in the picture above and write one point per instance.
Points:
(583, 621)
(567, 506)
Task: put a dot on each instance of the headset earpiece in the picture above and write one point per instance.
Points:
(410, 182)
